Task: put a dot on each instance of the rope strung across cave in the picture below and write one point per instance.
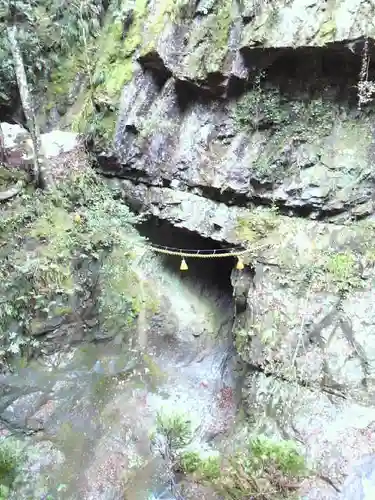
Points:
(201, 254)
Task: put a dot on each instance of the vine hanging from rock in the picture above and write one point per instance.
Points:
(366, 87)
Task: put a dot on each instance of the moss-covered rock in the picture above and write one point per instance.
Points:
(120, 38)
(286, 25)
(69, 255)
(208, 42)
(310, 278)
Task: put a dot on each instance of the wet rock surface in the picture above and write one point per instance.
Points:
(228, 105)
(309, 156)
(306, 335)
(88, 412)
(308, 342)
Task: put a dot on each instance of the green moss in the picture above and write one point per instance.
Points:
(62, 79)
(341, 266)
(204, 469)
(257, 224)
(257, 106)
(350, 150)
(314, 255)
(10, 461)
(94, 124)
(113, 69)
(327, 31)
(53, 256)
(335, 271)
(208, 42)
(263, 27)
(266, 107)
(52, 230)
(171, 11)
(119, 282)
(281, 122)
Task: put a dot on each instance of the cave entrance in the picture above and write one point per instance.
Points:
(214, 274)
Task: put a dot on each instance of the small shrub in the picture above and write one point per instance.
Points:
(205, 469)
(341, 267)
(175, 429)
(338, 271)
(189, 461)
(267, 470)
(283, 455)
(209, 469)
(10, 460)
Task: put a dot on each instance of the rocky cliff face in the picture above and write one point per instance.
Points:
(251, 106)
(239, 120)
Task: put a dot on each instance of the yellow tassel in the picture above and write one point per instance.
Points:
(77, 218)
(240, 264)
(183, 266)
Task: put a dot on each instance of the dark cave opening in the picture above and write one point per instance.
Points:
(317, 70)
(211, 273)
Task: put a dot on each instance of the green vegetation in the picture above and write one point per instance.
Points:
(266, 108)
(58, 246)
(327, 31)
(342, 266)
(337, 270)
(322, 265)
(204, 469)
(50, 32)
(10, 461)
(282, 122)
(173, 11)
(259, 107)
(265, 468)
(114, 64)
(175, 430)
(208, 42)
(112, 67)
(258, 224)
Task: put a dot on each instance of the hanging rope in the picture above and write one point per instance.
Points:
(201, 254)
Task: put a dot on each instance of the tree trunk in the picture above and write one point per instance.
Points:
(2, 146)
(41, 176)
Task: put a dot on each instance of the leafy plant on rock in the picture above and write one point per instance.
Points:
(265, 468)
(66, 254)
(10, 461)
(48, 31)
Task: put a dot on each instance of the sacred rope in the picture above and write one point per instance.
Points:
(201, 254)
(194, 254)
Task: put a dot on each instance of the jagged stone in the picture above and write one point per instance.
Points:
(322, 169)
(278, 143)
(302, 23)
